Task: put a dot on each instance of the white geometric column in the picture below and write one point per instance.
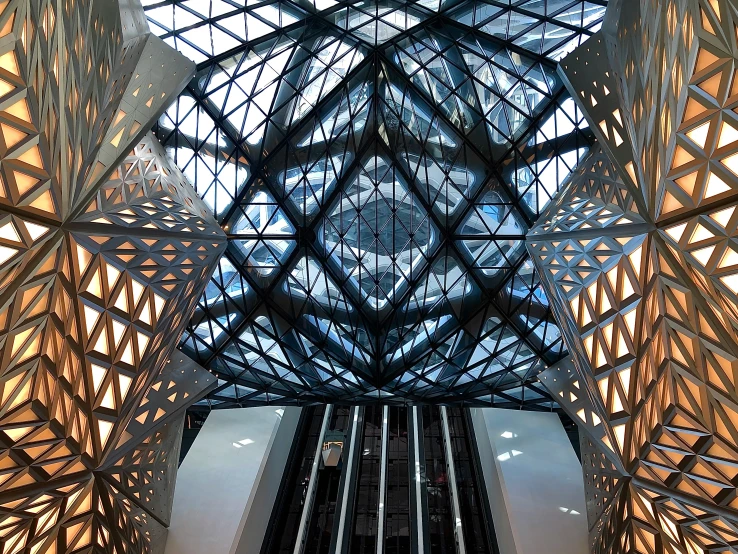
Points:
(227, 484)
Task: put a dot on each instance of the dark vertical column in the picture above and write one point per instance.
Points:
(322, 514)
(383, 481)
(397, 505)
(440, 512)
(453, 484)
(348, 485)
(418, 501)
(282, 535)
(477, 527)
(366, 506)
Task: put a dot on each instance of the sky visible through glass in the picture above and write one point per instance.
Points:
(376, 166)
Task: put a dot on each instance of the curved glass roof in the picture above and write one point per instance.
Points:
(376, 166)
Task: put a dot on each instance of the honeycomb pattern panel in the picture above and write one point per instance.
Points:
(103, 260)
(604, 487)
(647, 301)
(673, 65)
(146, 474)
(181, 383)
(589, 77)
(573, 395)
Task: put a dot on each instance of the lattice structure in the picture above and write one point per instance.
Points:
(604, 486)
(376, 166)
(104, 250)
(639, 257)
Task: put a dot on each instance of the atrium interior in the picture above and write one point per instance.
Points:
(368, 276)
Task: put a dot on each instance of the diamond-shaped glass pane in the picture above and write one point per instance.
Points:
(376, 166)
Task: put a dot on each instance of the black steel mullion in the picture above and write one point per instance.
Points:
(511, 273)
(264, 295)
(378, 343)
(327, 267)
(446, 240)
(443, 338)
(258, 168)
(317, 248)
(496, 236)
(431, 103)
(347, 175)
(274, 306)
(163, 3)
(504, 44)
(236, 50)
(432, 18)
(259, 290)
(524, 138)
(539, 17)
(484, 290)
(421, 272)
(504, 317)
(257, 236)
(312, 221)
(323, 102)
(554, 145)
(245, 45)
(236, 378)
(290, 347)
(506, 191)
(267, 298)
(228, 214)
(454, 43)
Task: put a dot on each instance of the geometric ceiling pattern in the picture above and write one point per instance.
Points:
(376, 167)
(104, 250)
(639, 257)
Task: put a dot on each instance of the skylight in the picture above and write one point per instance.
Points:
(376, 166)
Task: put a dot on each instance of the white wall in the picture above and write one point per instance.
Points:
(534, 482)
(229, 479)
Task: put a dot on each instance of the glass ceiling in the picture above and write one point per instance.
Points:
(376, 166)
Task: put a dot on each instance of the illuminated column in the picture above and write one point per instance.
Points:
(104, 252)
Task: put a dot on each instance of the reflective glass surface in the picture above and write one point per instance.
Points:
(376, 165)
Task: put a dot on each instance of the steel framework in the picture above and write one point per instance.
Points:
(376, 166)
